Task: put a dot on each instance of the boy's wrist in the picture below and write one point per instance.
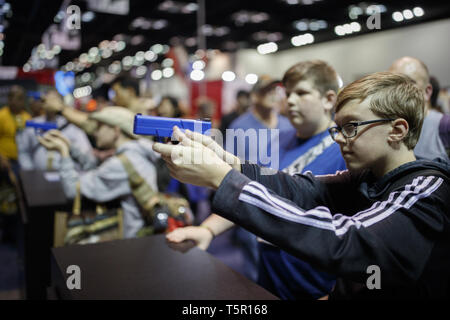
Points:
(209, 229)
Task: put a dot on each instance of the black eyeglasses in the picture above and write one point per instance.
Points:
(349, 130)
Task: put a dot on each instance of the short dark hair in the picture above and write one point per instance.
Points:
(127, 82)
(242, 93)
(175, 105)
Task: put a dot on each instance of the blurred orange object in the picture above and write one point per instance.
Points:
(91, 105)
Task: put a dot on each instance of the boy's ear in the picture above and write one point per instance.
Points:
(399, 130)
(329, 99)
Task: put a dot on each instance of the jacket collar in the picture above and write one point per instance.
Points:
(371, 188)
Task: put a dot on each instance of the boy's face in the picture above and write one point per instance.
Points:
(369, 149)
(306, 106)
(268, 99)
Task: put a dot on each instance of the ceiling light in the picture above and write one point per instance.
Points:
(301, 40)
(93, 51)
(127, 61)
(88, 16)
(150, 56)
(197, 75)
(157, 48)
(267, 48)
(198, 65)
(251, 78)
(356, 27)
(228, 76)
(82, 92)
(106, 53)
(168, 72)
(167, 63)
(397, 16)
(156, 75)
(418, 11)
(408, 14)
(141, 71)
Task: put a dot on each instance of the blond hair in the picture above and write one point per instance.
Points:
(391, 96)
(323, 76)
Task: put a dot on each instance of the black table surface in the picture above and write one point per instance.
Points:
(39, 191)
(150, 268)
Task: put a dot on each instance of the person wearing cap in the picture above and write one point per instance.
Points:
(33, 156)
(110, 180)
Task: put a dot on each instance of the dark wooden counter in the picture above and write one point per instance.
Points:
(149, 268)
(42, 197)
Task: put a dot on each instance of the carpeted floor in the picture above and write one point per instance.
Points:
(11, 270)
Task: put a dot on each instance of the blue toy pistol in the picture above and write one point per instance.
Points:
(162, 127)
(41, 126)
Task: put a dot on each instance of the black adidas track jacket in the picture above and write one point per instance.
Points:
(344, 223)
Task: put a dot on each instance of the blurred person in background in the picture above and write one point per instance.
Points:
(36, 108)
(434, 138)
(262, 114)
(33, 156)
(444, 100)
(100, 95)
(110, 180)
(435, 94)
(206, 109)
(12, 119)
(198, 197)
(242, 105)
(125, 94)
(169, 107)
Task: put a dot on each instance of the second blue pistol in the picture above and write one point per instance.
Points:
(41, 126)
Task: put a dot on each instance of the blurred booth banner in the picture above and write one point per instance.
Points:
(121, 7)
(8, 73)
(209, 106)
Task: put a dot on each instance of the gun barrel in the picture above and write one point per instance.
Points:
(163, 127)
(41, 125)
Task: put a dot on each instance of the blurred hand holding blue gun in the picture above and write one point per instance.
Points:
(41, 126)
(162, 127)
